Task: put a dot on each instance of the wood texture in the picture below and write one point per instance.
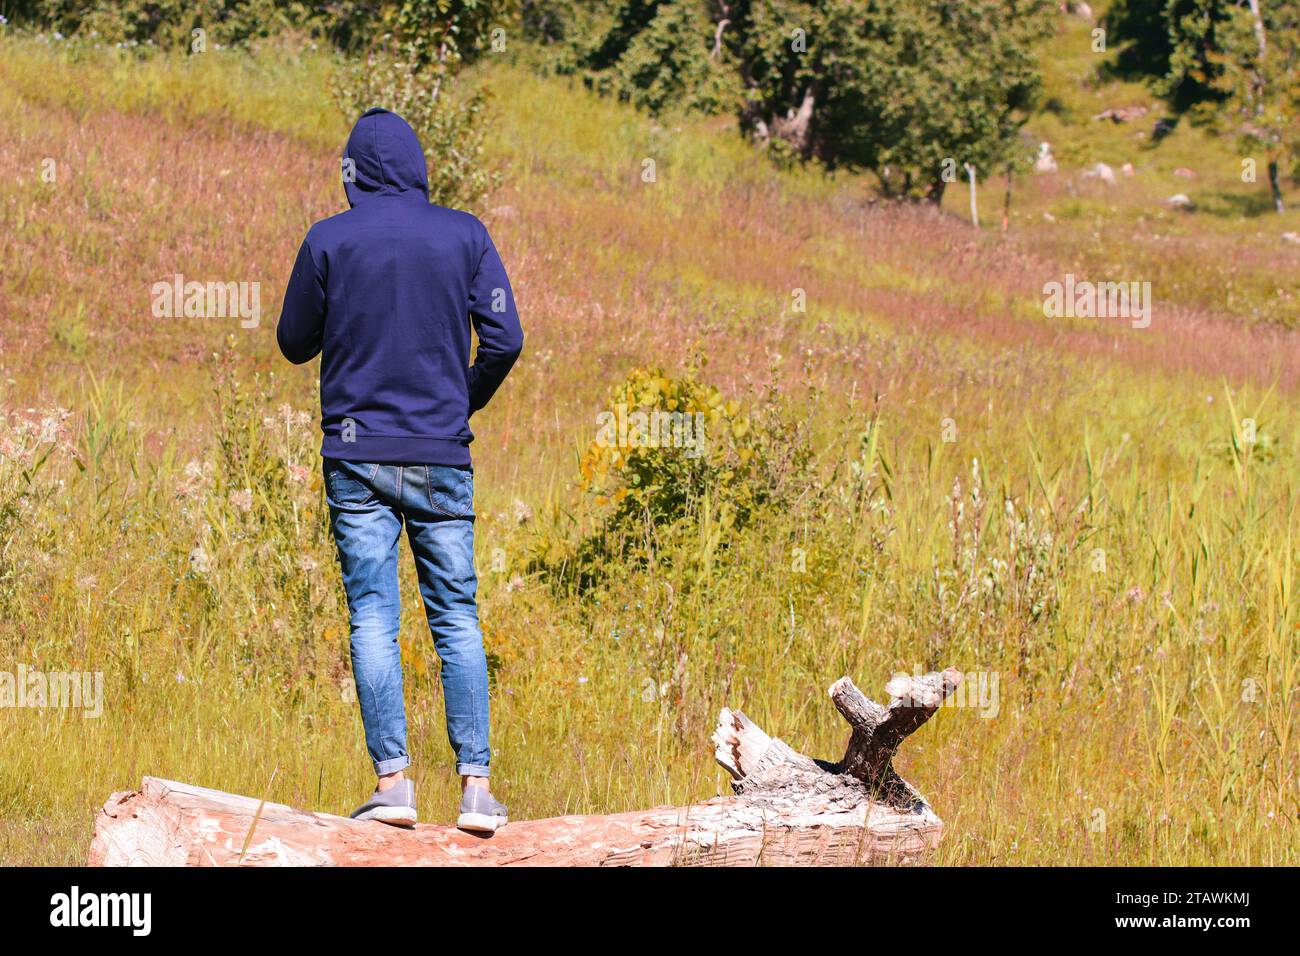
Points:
(788, 809)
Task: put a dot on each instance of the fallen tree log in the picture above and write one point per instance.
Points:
(788, 809)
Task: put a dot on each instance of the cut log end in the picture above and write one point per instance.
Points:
(928, 691)
(739, 743)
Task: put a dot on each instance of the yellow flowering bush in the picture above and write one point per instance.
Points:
(663, 444)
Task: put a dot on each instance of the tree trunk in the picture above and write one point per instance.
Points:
(1261, 39)
(796, 126)
(789, 809)
(1006, 202)
(974, 208)
(934, 193)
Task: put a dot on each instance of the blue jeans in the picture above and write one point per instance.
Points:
(368, 505)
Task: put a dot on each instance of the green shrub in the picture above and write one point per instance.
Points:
(675, 470)
(415, 52)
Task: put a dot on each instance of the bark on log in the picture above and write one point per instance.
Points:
(789, 809)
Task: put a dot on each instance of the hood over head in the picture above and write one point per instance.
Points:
(386, 157)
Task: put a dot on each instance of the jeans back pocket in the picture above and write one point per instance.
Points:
(349, 484)
(451, 490)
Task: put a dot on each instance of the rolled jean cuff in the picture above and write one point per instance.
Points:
(391, 765)
(471, 770)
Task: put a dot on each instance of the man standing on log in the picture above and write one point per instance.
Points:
(386, 293)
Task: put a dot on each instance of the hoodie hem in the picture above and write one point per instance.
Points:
(398, 450)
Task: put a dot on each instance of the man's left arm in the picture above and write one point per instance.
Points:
(301, 328)
(500, 336)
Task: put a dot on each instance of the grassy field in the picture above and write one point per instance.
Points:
(1099, 519)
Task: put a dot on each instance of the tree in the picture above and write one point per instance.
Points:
(1258, 63)
(1193, 73)
(911, 89)
(906, 88)
(654, 54)
(1226, 62)
(1138, 32)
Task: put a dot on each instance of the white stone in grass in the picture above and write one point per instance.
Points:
(1100, 171)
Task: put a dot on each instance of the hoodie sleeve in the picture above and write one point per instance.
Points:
(500, 337)
(302, 317)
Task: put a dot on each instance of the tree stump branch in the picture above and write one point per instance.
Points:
(766, 770)
(788, 809)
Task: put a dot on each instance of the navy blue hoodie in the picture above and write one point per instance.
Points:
(385, 293)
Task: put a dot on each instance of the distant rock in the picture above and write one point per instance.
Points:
(1185, 173)
(1122, 114)
(1162, 128)
(1179, 201)
(1291, 237)
(1046, 162)
(1080, 10)
(1100, 171)
(1127, 169)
